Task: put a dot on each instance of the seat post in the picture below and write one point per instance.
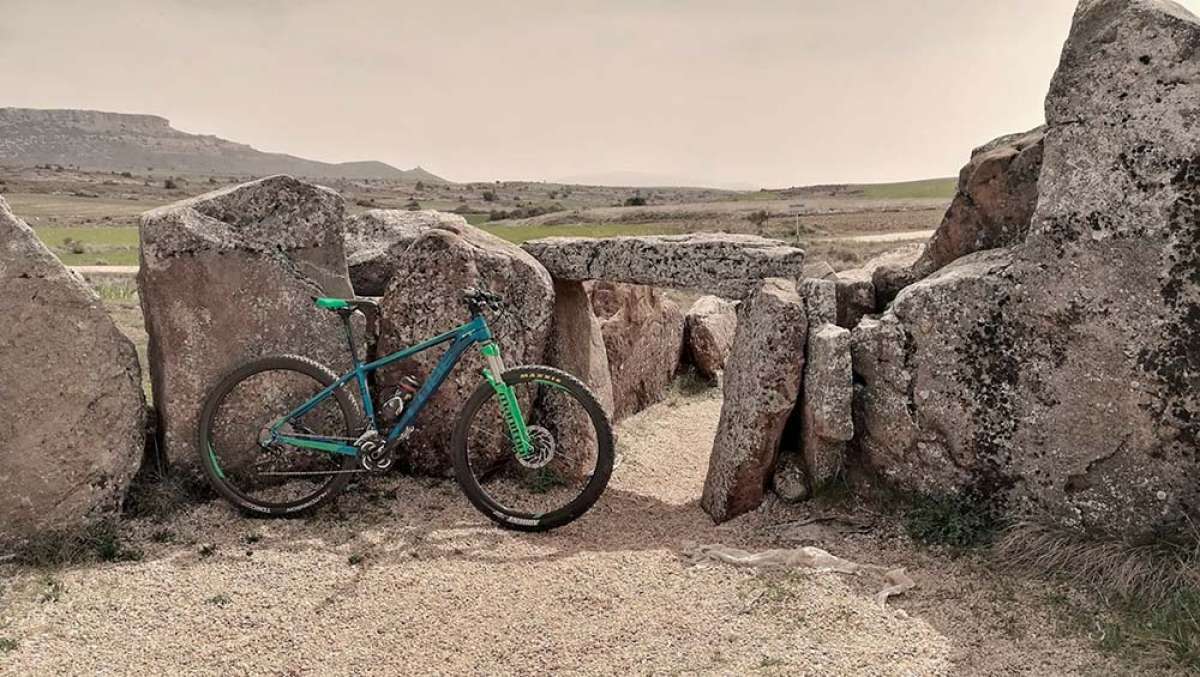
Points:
(349, 327)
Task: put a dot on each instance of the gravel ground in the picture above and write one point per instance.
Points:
(403, 577)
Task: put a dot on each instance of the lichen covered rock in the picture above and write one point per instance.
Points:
(1058, 378)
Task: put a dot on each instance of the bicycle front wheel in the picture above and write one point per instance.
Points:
(568, 468)
(267, 477)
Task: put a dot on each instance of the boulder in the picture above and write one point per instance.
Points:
(72, 412)
(708, 334)
(762, 386)
(229, 276)
(424, 298)
(371, 234)
(1059, 378)
(643, 336)
(993, 206)
(729, 266)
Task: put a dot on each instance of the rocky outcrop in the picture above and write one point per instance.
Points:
(371, 234)
(423, 299)
(708, 334)
(729, 266)
(997, 193)
(229, 276)
(643, 336)
(72, 413)
(762, 386)
(1058, 378)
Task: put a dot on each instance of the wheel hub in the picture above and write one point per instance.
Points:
(542, 453)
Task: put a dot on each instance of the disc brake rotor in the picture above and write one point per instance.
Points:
(543, 448)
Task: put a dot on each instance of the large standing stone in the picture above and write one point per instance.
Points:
(424, 298)
(762, 385)
(72, 413)
(828, 390)
(997, 193)
(230, 276)
(729, 266)
(643, 335)
(576, 345)
(1060, 378)
(708, 334)
(371, 234)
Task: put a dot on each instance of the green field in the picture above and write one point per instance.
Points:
(119, 246)
(928, 188)
(39, 209)
(93, 246)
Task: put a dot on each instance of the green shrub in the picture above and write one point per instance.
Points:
(958, 520)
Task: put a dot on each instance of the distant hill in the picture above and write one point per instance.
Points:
(631, 179)
(942, 189)
(123, 142)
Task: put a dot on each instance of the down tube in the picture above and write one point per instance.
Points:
(435, 380)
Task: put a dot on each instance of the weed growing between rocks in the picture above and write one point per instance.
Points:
(1152, 590)
(100, 541)
(956, 520)
(8, 645)
(156, 494)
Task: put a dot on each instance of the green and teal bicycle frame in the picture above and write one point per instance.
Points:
(461, 339)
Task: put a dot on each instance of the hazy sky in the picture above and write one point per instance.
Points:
(758, 92)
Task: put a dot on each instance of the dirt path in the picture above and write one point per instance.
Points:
(405, 577)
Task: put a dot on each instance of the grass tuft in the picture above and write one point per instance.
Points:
(98, 541)
(1153, 589)
(8, 645)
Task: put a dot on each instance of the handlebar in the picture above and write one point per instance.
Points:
(478, 300)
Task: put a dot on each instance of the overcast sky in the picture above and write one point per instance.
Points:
(755, 92)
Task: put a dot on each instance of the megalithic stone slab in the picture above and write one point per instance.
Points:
(828, 391)
(762, 385)
(229, 276)
(72, 412)
(729, 266)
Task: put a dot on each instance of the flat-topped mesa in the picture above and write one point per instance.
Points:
(729, 266)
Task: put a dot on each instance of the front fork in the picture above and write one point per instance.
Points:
(494, 373)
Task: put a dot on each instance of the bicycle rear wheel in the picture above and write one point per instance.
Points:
(571, 462)
(271, 478)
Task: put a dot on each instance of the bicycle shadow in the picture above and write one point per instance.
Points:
(622, 521)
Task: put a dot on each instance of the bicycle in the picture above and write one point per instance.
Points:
(533, 471)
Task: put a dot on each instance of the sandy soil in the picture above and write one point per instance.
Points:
(403, 577)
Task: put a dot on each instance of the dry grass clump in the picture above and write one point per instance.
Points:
(1149, 572)
(1153, 589)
